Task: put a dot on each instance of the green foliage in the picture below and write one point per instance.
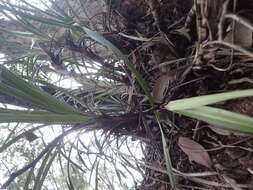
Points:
(167, 158)
(195, 108)
(189, 103)
(13, 85)
(120, 56)
(48, 109)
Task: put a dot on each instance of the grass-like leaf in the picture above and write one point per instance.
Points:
(96, 177)
(29, 178)
(167, 157)
(220, 118)
(19, 33)
(188, 103)
(73, 164)
(7, 116)
(26, 15)
(99, 38)
(44, 169)
(69, 182)
(14, 85)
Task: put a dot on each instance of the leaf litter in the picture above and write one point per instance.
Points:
(195, 151)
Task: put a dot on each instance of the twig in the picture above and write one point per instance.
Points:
(154, 6)
(239, 20)
(220, 25)
(235, 47)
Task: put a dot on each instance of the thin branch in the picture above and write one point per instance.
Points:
(235, 47)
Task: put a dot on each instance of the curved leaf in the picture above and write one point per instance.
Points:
(188, 103)
(220, 117)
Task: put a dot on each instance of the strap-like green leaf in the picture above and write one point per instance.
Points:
(99, 38)
(221, 118)
(14, 85)
(188, 103)
(168, 162)
(40, 117)
(44, 169)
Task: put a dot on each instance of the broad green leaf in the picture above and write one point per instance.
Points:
(188, 103)
(220, 118)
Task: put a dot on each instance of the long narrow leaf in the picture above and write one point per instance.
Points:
(29, 178)
(46, 117)
(14, 85)
(73, 164)
(18, 33)
(35, 10)
(45, 172)
(221, 118)
(99, 38)
(195, 102)
(33, 17)
(70, 183)
(31, 28)
(167, 157)
(96, 177)
(41, 169)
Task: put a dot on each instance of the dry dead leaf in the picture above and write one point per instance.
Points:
(220, 131)
(160, 87)
(60, 33)
(30, 136)
(226, 132)
(250, 170)
(195, 151)
(184, 32)
(242, 35)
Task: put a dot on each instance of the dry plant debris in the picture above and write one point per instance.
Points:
(189, 49)
(195, 151)
(182, 49)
